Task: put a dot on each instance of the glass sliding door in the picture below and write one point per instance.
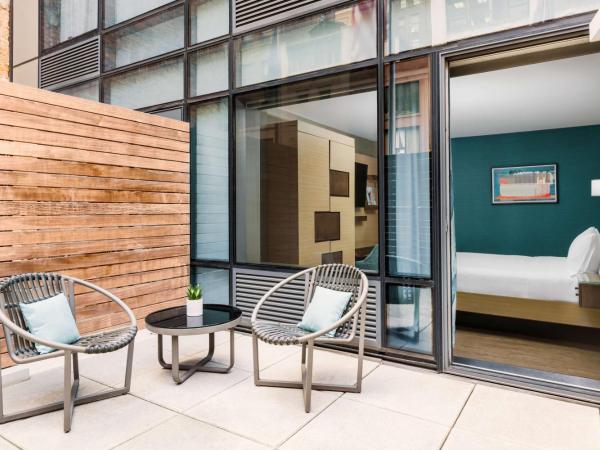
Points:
(526, 240)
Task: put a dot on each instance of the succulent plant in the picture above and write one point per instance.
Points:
(194, 292)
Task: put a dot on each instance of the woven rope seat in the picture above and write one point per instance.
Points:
(347, 330)
(21, 343)
(108, 341)
(278, 333)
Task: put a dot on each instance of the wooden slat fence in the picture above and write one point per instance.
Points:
(97, 192)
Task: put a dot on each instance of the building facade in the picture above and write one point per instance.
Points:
(353, 131)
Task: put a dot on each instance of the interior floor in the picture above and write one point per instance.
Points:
(550, 355)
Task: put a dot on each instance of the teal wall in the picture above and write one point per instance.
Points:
(527, 229)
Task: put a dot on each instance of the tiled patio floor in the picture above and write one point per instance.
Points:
(399, 408)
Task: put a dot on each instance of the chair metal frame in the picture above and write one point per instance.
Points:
(333, 276)
(20, 343)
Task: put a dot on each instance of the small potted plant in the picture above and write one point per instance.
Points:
(194, 304)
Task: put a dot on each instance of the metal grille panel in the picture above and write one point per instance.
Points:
(287, 305)
(69, 65)
(256, 13)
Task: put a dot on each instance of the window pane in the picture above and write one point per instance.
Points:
(209, 70)
(407, 162)
(215, 284)
(150, 85)
(116, 11)
(332, 38)
(210, 143)
(66, 19)
(170, 113)
(208, 19)
(408, 25)
(409, 319)
(154, 36)
(473, 17)
(307, 174)
(89, 90)
(551, 9)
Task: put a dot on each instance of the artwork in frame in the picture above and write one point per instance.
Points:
(525, 184)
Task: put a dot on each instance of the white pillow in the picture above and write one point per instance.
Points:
(584, 253)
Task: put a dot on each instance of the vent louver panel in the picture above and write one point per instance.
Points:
(287, 305)
(255, 13)
(66, 66)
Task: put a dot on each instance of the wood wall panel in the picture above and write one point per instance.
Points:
(97, 192)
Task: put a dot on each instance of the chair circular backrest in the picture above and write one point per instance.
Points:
(26, 288)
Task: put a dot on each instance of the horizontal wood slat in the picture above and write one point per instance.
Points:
(51, 98)
(96, 192)
(142, 131)
(36, 122)
(21, 134)
(71, 154)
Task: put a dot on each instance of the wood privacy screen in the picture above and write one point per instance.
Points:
(97, 192)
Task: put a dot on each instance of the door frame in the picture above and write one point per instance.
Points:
(529, 379)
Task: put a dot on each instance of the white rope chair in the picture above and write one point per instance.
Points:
(34, 287)
(338, 277)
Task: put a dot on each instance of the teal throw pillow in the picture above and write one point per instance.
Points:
(325, 308)
(51, 319)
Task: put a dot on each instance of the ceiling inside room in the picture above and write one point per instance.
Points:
(354, 114)
(555, 94)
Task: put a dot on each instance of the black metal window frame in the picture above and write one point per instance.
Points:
(440, 359)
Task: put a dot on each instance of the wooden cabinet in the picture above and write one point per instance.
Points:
(296, 159)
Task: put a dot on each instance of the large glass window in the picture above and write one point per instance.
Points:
(409, 318)
(210, 144)
(66, 19)
(89, 90)
(209, 70)
(154, 36)
(146, 86)
(209, 19)
(407, 165)
(408, 25)
(116, 11)
(307, 175)
(215, 284)
(331, 38)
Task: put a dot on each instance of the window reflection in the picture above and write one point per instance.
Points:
(66, 19)
(335, 37)
(150, 85)
(210, 143)
(407, 161)
(154, 36)
(408, 25)
(409, 318)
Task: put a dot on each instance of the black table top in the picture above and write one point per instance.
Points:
(175, 318)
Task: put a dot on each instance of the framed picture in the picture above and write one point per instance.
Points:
(525, 184)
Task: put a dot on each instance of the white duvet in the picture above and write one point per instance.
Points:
(538, 278)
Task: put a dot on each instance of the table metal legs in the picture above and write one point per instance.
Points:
(182, 371)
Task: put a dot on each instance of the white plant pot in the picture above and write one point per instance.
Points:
(194, 308)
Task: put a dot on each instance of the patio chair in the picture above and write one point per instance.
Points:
(34, 287)
(338, 277)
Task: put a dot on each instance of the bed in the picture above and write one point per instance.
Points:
(533, 288)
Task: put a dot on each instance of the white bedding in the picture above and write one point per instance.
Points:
(539, 277)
